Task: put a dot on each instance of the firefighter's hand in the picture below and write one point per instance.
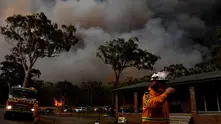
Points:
(170, 90)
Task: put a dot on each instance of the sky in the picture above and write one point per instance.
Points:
(163, 27)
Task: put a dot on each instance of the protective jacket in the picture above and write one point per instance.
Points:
(36, 113)
(155, 108)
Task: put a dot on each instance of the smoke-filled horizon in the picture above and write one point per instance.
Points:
(163, 27)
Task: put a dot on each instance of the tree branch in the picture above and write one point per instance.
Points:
(22, 58)
(33, 57)
(117, 77)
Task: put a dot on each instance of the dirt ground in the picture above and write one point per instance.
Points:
(77, 118)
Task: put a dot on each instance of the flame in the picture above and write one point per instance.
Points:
(57, 103)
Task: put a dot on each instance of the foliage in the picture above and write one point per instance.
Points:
(176, 70)
(66, 90)
(3, 92)
(131, 81)
(35, 36)
(94, 91)
(38, 84)
(121, 54)
(212, 64)
(47, 93)
(13, 73)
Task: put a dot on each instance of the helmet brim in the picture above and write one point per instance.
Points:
(164, 80)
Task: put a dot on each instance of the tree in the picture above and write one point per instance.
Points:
(3, 92)
(121, 54)
(176, 70)
(13, 73)
(35, 36)
(47, 93)
(131, 81)
(66, 89)
(95, 93)
(212, 64)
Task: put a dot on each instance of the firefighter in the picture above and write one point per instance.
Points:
(36, 113)
(155, 105)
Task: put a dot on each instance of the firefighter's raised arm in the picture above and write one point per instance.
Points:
(155, 102)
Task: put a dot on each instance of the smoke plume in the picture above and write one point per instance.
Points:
(164, 27)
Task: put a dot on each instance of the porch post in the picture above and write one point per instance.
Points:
(116, 104)
(193, 103)
(135, 102)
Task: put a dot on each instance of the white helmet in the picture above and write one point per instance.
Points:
(159, 76)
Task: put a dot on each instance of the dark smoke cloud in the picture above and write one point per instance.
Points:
(164, 27)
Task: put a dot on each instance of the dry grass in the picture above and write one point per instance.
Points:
(95, 116)
(89, 118)
(45, 121)
(45, 107)
(74, 120)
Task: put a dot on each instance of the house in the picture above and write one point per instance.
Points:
(197, 99)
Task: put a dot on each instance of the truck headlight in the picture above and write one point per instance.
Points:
(8, 107)
(32, 109)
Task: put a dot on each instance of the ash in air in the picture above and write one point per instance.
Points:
(164, 27)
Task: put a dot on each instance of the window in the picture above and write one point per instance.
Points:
(200, 101)
(219, 99)
(208, 98)
(211, 101)
(175, 107)
(178, 102)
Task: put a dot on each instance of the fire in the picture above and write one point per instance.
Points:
(57, 103)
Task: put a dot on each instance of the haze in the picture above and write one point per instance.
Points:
(162, 26)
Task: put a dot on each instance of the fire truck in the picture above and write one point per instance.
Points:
(20, 102)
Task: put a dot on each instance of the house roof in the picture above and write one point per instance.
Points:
(135, 86)
(180, 80)
(197, 77)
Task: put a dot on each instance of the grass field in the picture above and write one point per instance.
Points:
(90, 117)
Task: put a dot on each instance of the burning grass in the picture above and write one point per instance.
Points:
(58, 103)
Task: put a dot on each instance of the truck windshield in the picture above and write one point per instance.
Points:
(23, 93)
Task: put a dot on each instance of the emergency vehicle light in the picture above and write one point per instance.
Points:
(9, 107)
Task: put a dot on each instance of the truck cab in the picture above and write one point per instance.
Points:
(20, 102)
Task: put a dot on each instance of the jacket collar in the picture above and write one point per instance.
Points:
(152, 92)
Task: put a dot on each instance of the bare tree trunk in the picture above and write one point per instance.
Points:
(9, 86)
(117, 77)
(91, 98)
(25, 83)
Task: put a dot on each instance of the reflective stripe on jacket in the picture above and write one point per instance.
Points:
(155, 108)
(155, 119)
(36, 113)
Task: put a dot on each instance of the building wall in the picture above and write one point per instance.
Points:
(200, 118)
(208, 119)
(177, 103)
(208, 100)
(135, 118)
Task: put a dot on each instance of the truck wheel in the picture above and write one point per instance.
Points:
(7, 116)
